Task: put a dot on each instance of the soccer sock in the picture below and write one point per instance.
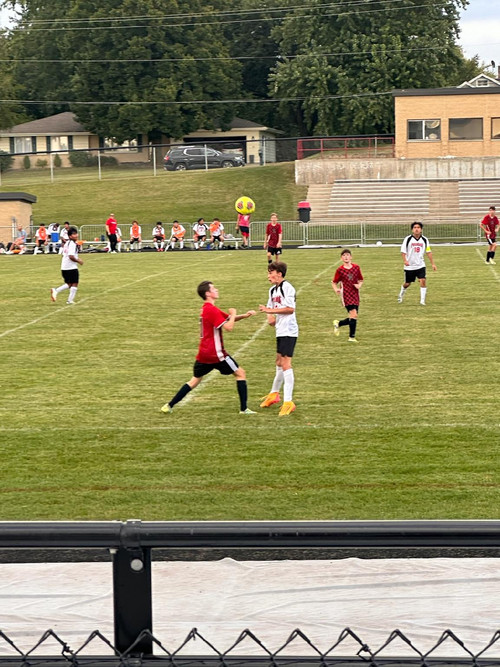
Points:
(182, 245)
(401, 292)
(423, 292)
(492, 253)
(352, 327)
(242, 393)
(269, 261)
(344, 323)
(278, 379)
(196, 245)
(72, 294)
(488, 255)
(62, 288)
(183, 391)
(289, 381)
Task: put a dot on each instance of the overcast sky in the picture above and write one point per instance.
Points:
(480, 25)
(480, 34)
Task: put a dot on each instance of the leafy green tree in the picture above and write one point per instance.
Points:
(349, 57)
(161, 44)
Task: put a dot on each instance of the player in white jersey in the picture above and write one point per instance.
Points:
(199, 233)
(63, 236)
(280, 312)
(413, 250)
(69, 267)
(159, 237)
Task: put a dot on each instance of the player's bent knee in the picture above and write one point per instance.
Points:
(240, 374)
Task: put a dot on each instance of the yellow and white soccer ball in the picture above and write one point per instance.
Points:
(244, 205)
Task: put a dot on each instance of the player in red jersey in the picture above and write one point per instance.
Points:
(211, 353)
(272, 242)
(490, 224)
(347, 283)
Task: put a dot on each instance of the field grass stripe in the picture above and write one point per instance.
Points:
(492, 269)
(91, 298)
(254, 337)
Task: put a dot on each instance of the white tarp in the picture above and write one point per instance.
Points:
(420, 597)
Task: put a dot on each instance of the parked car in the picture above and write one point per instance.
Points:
(198, 157)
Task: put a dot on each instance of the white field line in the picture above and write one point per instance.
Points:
(492, 268)
(88, 298)
(253, 338)
(372, 426)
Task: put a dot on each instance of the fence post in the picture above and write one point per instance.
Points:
(132, 592)
(153, 149)
(51, 162)
(99, 164)
(206, 157)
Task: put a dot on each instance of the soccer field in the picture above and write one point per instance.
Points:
(403, 425)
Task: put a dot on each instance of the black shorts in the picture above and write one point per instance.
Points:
(40, 242)
(491, 240)
(285, 345)
(200, 237)
(70, 276)
(411, 276)
(244, 230)
(177, 238)
(353, 307)
(226, 367)
(274, 251)
(159, 239)
(134, 240)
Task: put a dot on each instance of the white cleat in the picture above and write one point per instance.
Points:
(53, 294)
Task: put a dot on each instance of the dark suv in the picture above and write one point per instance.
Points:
(198, 157)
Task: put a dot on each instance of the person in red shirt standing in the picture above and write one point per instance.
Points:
(272, 242)
(111, 226)
(490, 224)
(347, 283)
(211, 353)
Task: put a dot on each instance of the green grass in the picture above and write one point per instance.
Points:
(403, 425)
(78, 196)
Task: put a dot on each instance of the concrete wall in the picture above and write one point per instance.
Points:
(308, 172)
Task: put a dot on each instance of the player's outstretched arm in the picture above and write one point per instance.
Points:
(229, 323)
(244, 316)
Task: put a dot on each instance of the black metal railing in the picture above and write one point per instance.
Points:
(131, 543)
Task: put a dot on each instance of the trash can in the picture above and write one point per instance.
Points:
(304, 209)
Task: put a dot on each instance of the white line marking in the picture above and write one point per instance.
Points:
(253, 338)
(80, 301)
(491, 267)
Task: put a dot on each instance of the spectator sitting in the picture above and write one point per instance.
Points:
(17, 246)
(41, 239)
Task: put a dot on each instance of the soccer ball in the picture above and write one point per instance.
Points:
(379, 243)
(244, 205)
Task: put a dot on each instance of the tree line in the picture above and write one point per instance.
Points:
(168, 67)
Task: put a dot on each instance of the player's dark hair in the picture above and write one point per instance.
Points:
(216, 220)
(175, 222)
(279, 267)
(203, 288)
(344, 251)
(72, 230)
(493, 208)
(417, 223)
(201, 219)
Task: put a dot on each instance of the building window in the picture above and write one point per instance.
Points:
(59, 143)
(466, 129)
(125, 146)
(23, 145)
(424, 130)
(495, 128)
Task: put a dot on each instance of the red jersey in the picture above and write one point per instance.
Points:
(348, 278)
(490, 223)
(273, 232)
(112, 225)
(211, 349)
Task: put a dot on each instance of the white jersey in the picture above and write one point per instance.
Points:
(118, 233)
(70, 248)
(415, 250)
(53, 229)
(158, 231)
(63, 234)
(283, 296)
(200, 229)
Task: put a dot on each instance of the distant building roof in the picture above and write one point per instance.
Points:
(59, 123)
(481, 81)
(18, 196)
(429, 92)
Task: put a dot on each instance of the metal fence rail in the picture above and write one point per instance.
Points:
(130, 545)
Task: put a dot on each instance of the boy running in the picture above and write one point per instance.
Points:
(489, 224)
(346, 283)
(280, 311)
(413, 251)
(211, 354)
(69, 267)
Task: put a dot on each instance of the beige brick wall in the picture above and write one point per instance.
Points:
(445, 107)
(19, 210)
